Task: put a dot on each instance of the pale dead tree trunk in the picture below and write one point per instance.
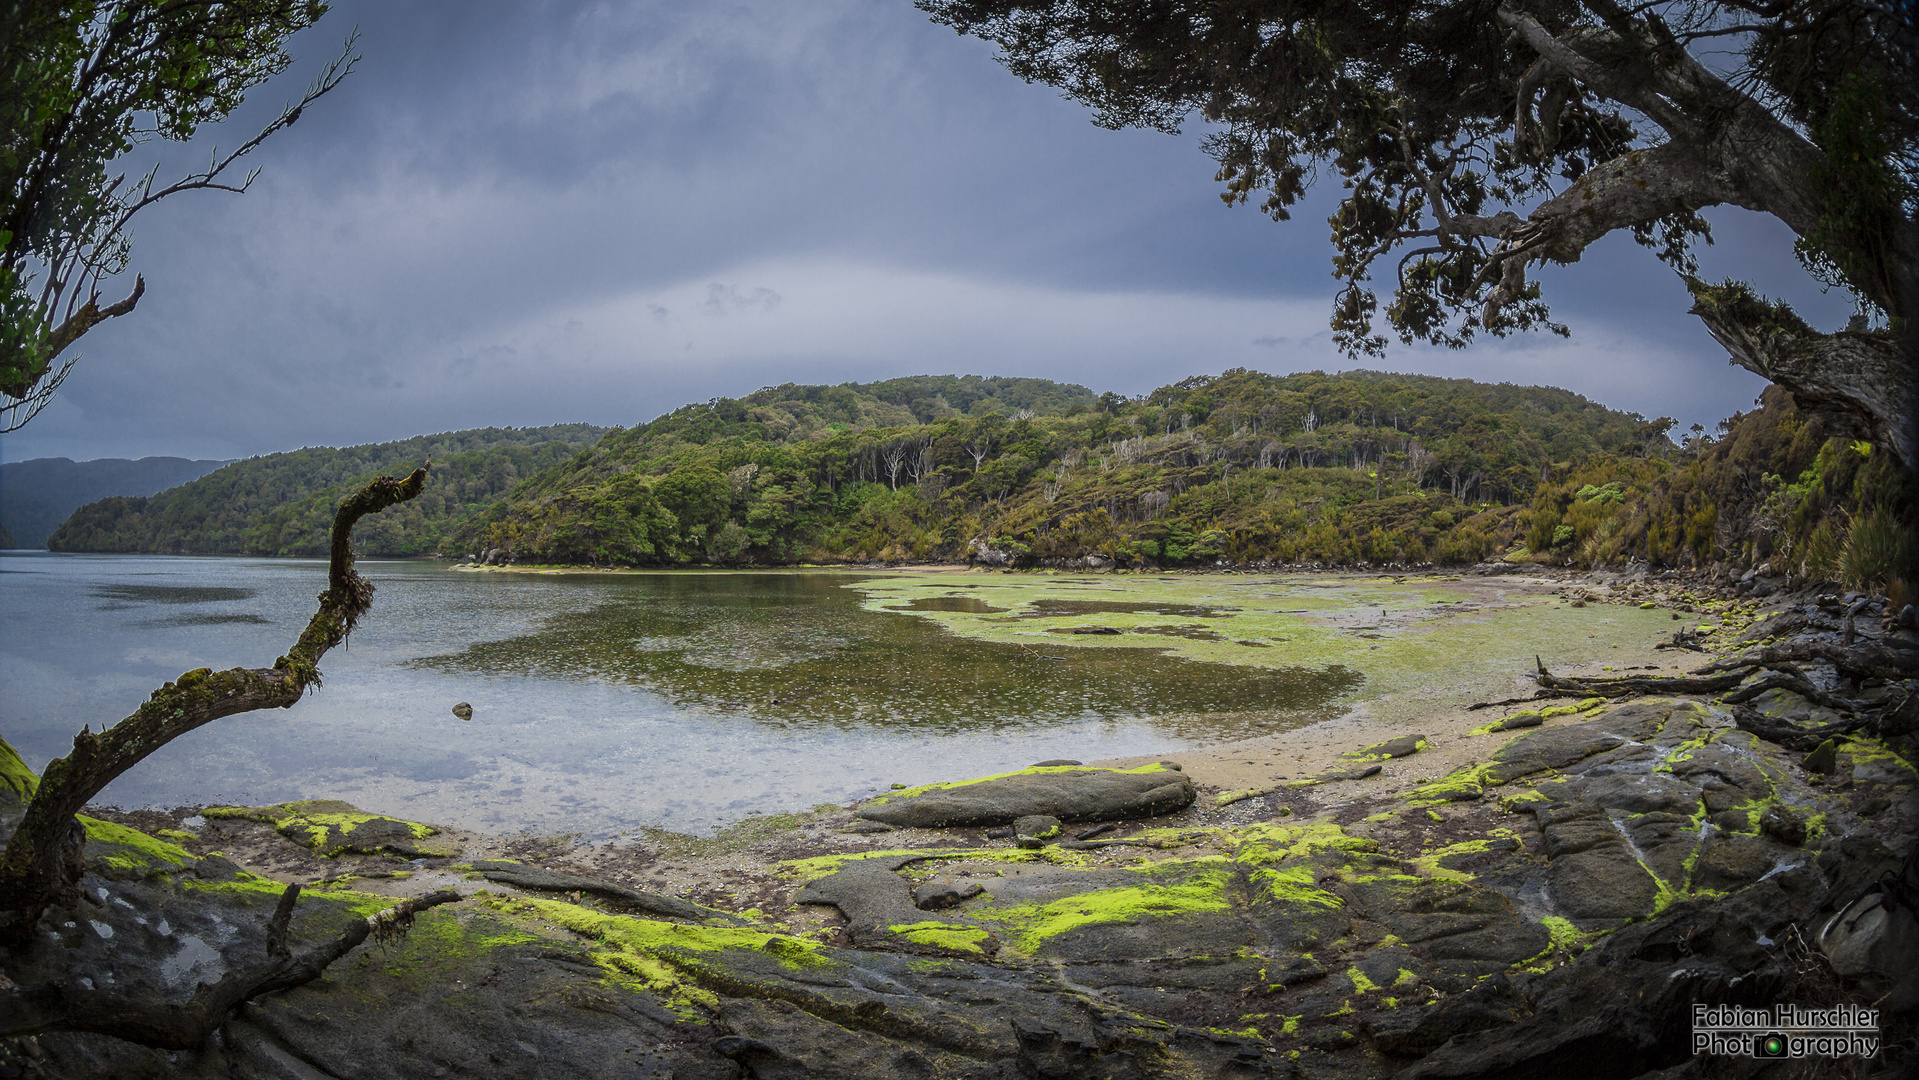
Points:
(894, 456)
(920, 461)
(42, 864)
(979, 448)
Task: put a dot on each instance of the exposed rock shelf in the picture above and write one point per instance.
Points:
(1556, 908)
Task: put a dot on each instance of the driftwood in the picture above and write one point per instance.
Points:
(1778, 669)
(152, 1021)
(42, 861)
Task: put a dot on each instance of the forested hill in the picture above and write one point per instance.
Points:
(282, 504)
(1247, 466)
(37, 495)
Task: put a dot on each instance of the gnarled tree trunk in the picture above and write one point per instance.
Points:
(1864, 381)
(42, 860)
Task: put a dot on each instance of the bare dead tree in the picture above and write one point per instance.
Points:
(981, 445)
(893, 455)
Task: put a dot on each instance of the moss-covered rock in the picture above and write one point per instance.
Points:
(1069, 793)
(333, 828)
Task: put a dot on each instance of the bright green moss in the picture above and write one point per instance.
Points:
(948, 785)
(1428, 863)
(821, 865)
(1517, 801)
(662, 958)
(15, 777)
(325, 824)
(939, 935)
(1030, 926)
(1361, 984)
(137, 850)
(1461, 785)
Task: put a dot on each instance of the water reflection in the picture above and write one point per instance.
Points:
(797, 649)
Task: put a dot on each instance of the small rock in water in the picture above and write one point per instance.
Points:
(463, 711)
(1052, 762)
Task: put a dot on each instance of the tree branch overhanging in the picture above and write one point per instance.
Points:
(42, 859)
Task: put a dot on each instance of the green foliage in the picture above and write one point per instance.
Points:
(1458, 130)
(1243, 466)
(283, 504)
(86, 82)
(1861, 191)
(1712, 509)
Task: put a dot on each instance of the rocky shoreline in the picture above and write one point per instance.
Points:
(1538, 890)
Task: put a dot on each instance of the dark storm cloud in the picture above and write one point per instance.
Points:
(531, 213)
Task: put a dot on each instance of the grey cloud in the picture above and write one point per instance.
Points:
(439, 244)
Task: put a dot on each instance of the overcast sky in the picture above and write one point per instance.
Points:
(519, 213)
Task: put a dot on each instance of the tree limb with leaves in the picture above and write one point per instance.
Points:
(1476, 140)
(87, 82)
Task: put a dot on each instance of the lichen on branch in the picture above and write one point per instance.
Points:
(42, 859)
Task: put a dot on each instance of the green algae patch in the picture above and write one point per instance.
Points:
(1037, 770)
(668, 960)
(15, 778)
(1228, 798)
(819, 866)
(1551, 712)
(440, 938)
(1868, 751)
(131, 850)
(949, 936)
(1461, 785)
(1432, 864)
(1277, 860)
(1388, 750)
(1268, 843)
(1031, 926)
(1361, 984)
(333, 828)
(1420, 637)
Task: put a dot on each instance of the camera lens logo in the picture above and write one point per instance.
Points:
(1769, 1046)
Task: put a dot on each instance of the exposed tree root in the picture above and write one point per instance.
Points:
(146, 1019)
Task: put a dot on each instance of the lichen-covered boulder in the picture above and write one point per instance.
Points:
(1066, 792)
(333, 828)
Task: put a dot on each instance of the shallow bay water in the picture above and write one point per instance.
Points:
(683, 700)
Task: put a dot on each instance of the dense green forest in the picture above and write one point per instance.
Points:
(1336, 470)
(282, 504)
(38, 494)
(1248, 467)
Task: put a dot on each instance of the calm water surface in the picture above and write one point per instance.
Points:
(601, 702)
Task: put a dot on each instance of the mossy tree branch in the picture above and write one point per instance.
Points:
(42, 861)
(1858, 379)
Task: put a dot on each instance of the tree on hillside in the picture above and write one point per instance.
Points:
(1476, 139)
(87, 81)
